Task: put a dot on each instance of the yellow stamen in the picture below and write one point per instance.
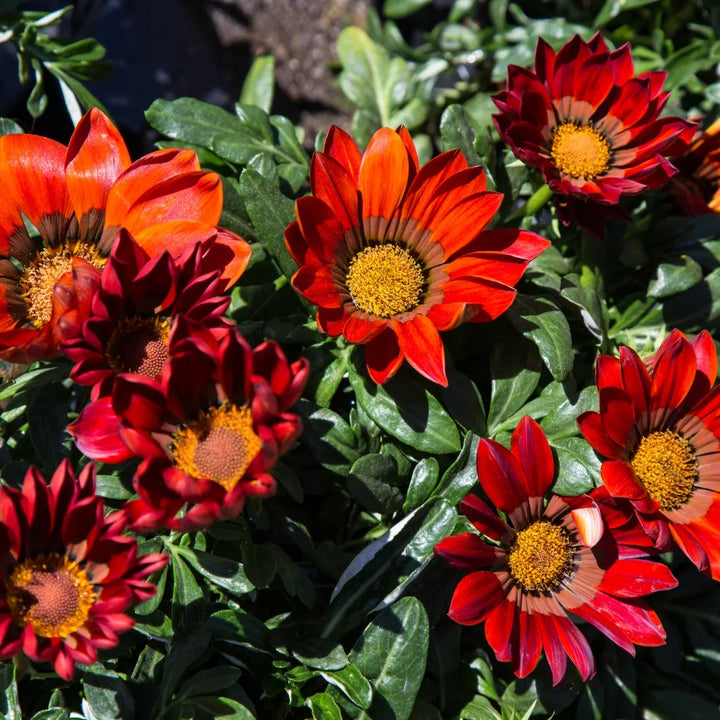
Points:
(139, 345)
(219, 445)
(51, 593)
(41, 275)
(385, 280)
(541, 556)
(580, 151)
(665, 463)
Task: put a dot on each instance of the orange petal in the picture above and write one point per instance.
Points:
(422, 347)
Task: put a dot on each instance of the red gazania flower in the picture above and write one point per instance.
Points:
(134, 306)
(547, 559)
(209, 430)
(392, 254)
(69, 574)
(590, 125)
(77, 198)
(696, 187)
(659, 427)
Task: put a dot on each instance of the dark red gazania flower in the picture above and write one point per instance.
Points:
(547, 559)
(77, 198)
(209, 430)
(590, 125)
(659, 427)
(133, 310)
(68, 573)
(696, 187)
(392, 254)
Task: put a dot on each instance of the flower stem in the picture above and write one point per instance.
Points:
(541, 196)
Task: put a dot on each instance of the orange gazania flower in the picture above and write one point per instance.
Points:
(392, 254)
(77, 198)
(696, 187)
(590, 125)
(659, 428)
(69, 573)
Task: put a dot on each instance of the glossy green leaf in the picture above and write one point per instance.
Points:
(402, 8)
(539, 320)
(392, 653)
(47, 419)
(407, 411)
(674, 277)
(106, 693)
(9, 701)
(210, 680)
(259, 86)
(424, 478)
(578, 466)
(323, 707)
(224, 572)
(372, 481)
(221, 708)
(456, 132)
(352, 683)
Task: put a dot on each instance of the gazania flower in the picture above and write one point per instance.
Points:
(392, 254)
(134, 306)
(69, 574)
(526, 572)
(696, 187)
(590, 125)
(659, 428)
(209, 430)
(77, 198)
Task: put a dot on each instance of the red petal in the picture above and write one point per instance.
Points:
(575, 644)
(593, 430)
(620, 480)
(674, 372)
(383, 356)
(467, 551)
(636, 380)
(501, 476)
(483, 518)
(633, 578)
(476, 595)
(331, 183)
(488, 298)
(96, 433)
(320, 227)
(420, 343)
(340, 146)
(529, 645)
(554, 650)
(499, 630)
(532, 450)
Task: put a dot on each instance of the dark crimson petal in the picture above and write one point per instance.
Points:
(674, 372)
(593, 430)
(636, 380)
(467, 551)
(501, 476)
(532, 450)
(554, 650)
(499, 630)
(634, 618)
(527, 645)
(96, 433)
(575, 644)
(383, 356)
(475, 596)
(483, 518)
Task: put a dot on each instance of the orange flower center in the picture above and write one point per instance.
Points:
(385, 280)
(41, 275)
(665, 463)
(139, 345)
(219, 445)
(51, 593)
(541, 556)
(580, 151)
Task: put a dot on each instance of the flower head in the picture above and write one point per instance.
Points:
(134, 307)
(77, 198)
(567, 554)
(392, 254)
(69, 574)
(590, 124)
(659, 428)
(209, 430)
(696, 187)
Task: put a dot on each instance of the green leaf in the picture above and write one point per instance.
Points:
(578, 466)
(106, 693)
(320, 654)
(350, 681)
(612, 8)
(222, 708)
(323, 707)
(224, 572)
(674, 277)
(47, 420)
(391, 653)
(270, 212)
(370, 481)
(514, 373)
(539, 320)
(184, 651)
(456, 132)
(210, 681)
(9, 701)
(37, 100)
(402, 8)
(461, 476)
(9, 127)
(423, 480)
(259, 86)
(405, 409)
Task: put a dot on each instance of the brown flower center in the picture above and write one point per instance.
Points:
(139, 345)
(541, 556)
(385, 280)
(665, 463)
(41, 275)
(219, 445)
(580, 151)
(51, 593)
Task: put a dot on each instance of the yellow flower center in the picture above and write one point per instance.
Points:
(51, 593)
(219, 445)
(666, 465)
(541, 556)
(139, 345)
(580, 151)
(385, 280)
(41, 275)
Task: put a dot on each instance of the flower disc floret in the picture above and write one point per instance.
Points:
(139, 345)
(385, 280)
(541, 556)
(579, 151)
(666, 464)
